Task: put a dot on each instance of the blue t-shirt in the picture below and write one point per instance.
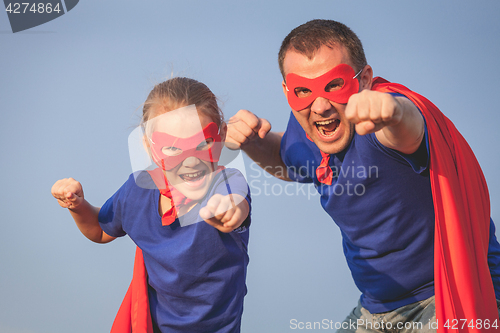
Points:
(381, 199)
(196, 274)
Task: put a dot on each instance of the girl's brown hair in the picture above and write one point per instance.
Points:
(179, 92)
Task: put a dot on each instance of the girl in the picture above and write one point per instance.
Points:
(191, 275)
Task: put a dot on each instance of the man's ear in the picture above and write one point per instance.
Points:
(283, 84)
(365, 80)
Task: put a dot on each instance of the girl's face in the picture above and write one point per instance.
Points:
(192, 176)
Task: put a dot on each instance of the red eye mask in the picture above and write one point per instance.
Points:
(186, 147)
(318, 87)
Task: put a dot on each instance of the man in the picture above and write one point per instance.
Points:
(391, 173)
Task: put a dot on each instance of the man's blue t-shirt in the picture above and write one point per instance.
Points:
(381, 200)
(196, 274)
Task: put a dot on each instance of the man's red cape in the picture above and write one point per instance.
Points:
(462, 280)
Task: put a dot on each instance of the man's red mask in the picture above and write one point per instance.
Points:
(205, 145)
(337, 85)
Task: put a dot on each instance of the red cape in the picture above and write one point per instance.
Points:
(134, 315)
(462, 280)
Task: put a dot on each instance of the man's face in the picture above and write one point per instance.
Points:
(323, 120)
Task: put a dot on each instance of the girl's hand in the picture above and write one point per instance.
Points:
(225, 212)
(68, 192)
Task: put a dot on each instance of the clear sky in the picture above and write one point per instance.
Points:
(70, 94)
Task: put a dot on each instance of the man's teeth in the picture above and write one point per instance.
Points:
(325, 122)
(326, 128)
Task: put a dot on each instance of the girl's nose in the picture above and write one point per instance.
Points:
(191, 161)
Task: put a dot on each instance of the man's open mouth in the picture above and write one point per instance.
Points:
(327, 127)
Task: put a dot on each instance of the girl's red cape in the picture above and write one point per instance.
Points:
(134, 315)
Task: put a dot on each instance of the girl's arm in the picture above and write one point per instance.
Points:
(225, 212)
(69, 194)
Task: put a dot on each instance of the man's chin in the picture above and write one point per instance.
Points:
(332, 147)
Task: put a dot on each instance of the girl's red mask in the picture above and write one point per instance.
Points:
(183, 148)
(318, 87)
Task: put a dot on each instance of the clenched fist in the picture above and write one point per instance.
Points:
(68, 192)
(225, 212)
(245, 127)
(371, 111)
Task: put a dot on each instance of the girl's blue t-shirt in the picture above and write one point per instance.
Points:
(382, 201)
(196, 274)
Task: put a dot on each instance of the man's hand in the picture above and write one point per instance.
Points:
(396, 121)
(225, 212)
(68, 192)
(372, 110)
(253, 135)
(244, 127)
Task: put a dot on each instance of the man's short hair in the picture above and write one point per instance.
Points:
(307, 38)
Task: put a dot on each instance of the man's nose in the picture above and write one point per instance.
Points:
(191, 161)
(320, 105)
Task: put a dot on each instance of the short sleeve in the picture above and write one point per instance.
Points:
(419, 160)
(111, 213)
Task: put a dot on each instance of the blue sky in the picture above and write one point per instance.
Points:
(70, 94)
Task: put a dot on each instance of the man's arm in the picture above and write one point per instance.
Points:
(396, 121)
(253, 135)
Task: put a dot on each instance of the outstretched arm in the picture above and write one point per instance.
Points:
(395, 120)
(253, 135)
(69, 194)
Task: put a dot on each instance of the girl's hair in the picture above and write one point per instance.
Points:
(179, 92)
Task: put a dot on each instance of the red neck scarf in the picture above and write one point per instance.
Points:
(324, 173)
(172, 193)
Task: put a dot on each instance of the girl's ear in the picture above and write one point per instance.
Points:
(145, 144)
(223, 132)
